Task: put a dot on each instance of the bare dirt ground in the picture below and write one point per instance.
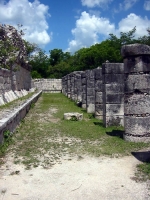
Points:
(78, 179)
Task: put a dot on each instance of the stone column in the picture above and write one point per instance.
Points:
(90, 77)
(72, 86)
(98, 93)
(83, 83)
(79, 88)
(137, 92)
(69, 85)
(113, 95)
(64, 85)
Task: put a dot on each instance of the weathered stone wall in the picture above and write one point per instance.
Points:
(90, 94)
(113, 94)
(48, 85)
(84, 89)
(11, 119)
(14, 84)
(137, 92)
(98, 93)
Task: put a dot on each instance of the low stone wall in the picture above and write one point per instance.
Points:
(48, 85)
(120, 93)
(12, 119)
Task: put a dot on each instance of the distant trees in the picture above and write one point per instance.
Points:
(60, 63)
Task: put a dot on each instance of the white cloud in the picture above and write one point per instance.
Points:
(91, 29)
(147, 5)
(129, 3)
(87, 31)
(133, 20)
(31, 15)
(94, 3)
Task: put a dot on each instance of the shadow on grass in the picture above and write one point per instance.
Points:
(143, 156)
(118, 133)
(98, 124)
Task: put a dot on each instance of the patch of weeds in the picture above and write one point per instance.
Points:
(32, 105)
(143, 172)
(7, 141)
(73, 118)
(91, 116)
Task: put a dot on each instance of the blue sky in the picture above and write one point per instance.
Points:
(72, 24)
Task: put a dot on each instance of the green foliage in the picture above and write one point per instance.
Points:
(60, 63)
(143, 172)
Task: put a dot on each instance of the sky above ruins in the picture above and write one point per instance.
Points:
(72, 24)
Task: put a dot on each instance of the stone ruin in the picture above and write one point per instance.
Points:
(15, 78)
(118, 93)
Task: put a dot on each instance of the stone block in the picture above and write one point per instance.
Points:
(137, 104)
(114, 78)
(98, 74)
(98, 97)
(134, 50)
(113, 109)
(83, 80)
(99, 86)
(137, 126)
(137, 83)
(90, 83)
(90, 92)
(90, 99)
(114, 88)
(113, 120)
(90, 108)
(113, 68)
(137, 64)
(90, 74)
(73, 116)
(115, 98)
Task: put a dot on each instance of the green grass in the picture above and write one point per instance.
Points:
(44, 137)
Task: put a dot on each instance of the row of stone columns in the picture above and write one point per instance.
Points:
(118, 93)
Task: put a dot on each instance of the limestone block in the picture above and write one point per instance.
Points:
(90, 83)
(90, 108)
(138, 104)
(90, 99)
(90, 91)
(83, 80)
(1, 80)
(138, 126)
(113, 68)
(113, 109)
(114, 88)
(113, 120)
(115, 98)
(1, 100)
(90, 74)
(137, 64)
(114, 78)
(73, 116)
(99, 86)
(98, 97)
(98, 74)
(135, 49)
(137, 82)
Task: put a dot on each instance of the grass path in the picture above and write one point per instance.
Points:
(44, 138)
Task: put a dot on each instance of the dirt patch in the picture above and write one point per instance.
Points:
(87, 178)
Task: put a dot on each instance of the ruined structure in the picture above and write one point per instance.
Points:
(15, 78)
(113, 94)
(137, 92)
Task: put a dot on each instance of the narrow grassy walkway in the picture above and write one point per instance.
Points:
(44, 138)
